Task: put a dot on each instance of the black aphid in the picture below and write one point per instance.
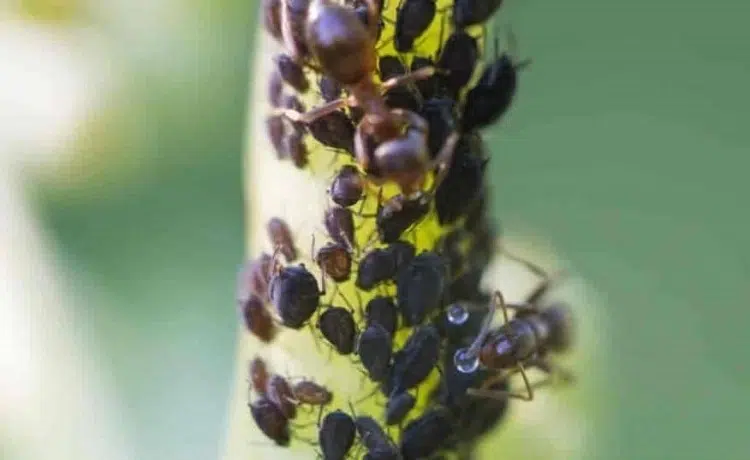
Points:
(381, 310)
(337, 326)
(401, 213)
(398, 407)
(464, 183)
(412, 20)
(271, 421)
(493, 94)
(334, 130)
(330, 89)
(339, 223)
(375, 349)
(420, 287)
(347, 187)
(336, 435)
(374, 438)
(414, 362)
(276, 132)
(471, 12)
(427, 434)
(295, 294)
(377, 266)
(291, 72)
(458, 58)
(440, 115)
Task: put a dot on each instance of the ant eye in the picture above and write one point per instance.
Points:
(465, 363)
(457, 314)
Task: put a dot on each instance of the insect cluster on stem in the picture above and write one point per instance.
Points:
(397, 95)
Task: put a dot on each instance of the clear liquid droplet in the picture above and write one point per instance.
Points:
(464, 362)
(457, 314)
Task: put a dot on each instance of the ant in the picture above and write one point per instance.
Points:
(345, 49)
(521, 342)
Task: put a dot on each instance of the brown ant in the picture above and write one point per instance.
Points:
(344, 47)
(521, 342)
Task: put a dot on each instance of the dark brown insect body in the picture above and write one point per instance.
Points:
(257, 319)
(271, 421)
(309, 392)
(258, 375)
(280, 393)
(523, 341)
(390, 144)
(336, 261)
(281, 238)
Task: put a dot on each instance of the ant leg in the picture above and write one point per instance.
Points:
(556, 373)
(419, 74)
(314, 113)
(499, 301)
(373, 21)
(444, 159)
(485, 392)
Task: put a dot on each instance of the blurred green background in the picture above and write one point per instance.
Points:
(626, 150)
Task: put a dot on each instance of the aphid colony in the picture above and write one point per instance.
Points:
(401, 115)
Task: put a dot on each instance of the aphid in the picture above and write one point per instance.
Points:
(281, 238)
(336, 435)
(334, 130)
(329, 88)
(458, 58)
(339, 223)
(424, 436)
(412, 20)
(295, 295)
(275, 89)
(294, 147)
(398, 407)
(293, 19)
(271, 421)
(375, 350)
(291, 72)
(381, 265)
(252, 278)
(399, 214)
(441, 117)
(276, 132)
(280, 393)
(309, 392)
(463, 185)
(373, 437)
(272, 17)
(347, 187)
(472, 12)
(258, 375)
(493, 94)
(381, 310)
(335, 261)
(523, 341)
(377, 266)
(338, 327)
(420, 287)
(414, 362)
(257, 319)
